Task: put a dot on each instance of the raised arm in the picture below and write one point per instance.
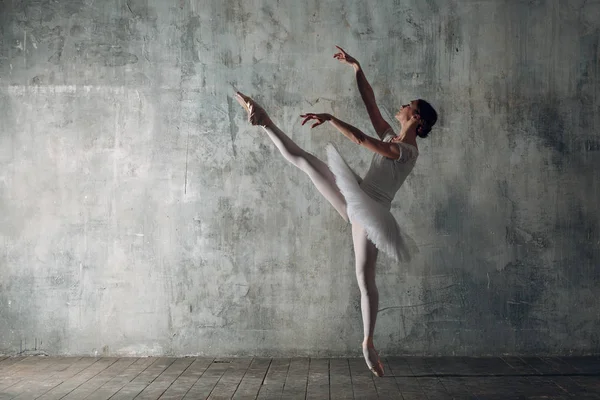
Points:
(366, 92)
(386, 149)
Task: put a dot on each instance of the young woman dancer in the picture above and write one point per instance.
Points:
(364, 202)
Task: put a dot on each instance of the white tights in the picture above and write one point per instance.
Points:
(365, 251)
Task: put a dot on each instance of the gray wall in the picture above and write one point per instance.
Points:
(141, 215)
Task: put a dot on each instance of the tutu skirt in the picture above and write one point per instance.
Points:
(380, 225)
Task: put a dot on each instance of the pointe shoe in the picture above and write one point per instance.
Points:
(256, 114)
(373, 361)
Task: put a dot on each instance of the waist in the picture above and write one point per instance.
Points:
(377, 194)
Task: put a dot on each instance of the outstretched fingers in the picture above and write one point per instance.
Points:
(341, 54)
(309, 117)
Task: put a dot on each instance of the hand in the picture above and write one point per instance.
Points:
(345, 57)
(320, 118)
(415, 120)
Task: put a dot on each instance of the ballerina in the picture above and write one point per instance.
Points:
(366, 202)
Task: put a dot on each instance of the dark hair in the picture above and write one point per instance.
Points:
(428, 117)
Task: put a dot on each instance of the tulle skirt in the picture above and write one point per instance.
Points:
(377, 220)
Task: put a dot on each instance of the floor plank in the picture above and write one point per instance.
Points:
(187, 379)
(297, 378)
(570, 386)
(9, 362)
(209, 379)
(399, 366)
(427, 378)
(450, 365)
(457, 387)
(589, 384)
(79, 378)
(433, 387)
(486, 366)
(452, 386)
(406, 378)
(407, 383)
(362, 379)
(90, 386)
(131, 389)
(165, 379)
(272, 387)
(340, 386)
(46, 379)
(115, 384)
(566, 383)
(523, 387)
(519, 366)
(386, 386)
(419, 366)
(14, 380)
(252, 379)
(19, 370)
(64, 363)
(587, 365)
(67, 373)
(559, 366)
(229, 382)
(25, 368)
(414, 396)
(318, 379)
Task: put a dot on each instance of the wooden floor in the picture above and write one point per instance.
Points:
(38, 377)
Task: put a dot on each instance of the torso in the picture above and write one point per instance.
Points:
(385, 175)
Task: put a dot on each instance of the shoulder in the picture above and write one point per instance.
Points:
(388, 135)
(408, 152)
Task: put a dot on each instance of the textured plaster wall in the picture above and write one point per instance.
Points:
(141, 215)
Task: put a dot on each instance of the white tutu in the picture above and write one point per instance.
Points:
(379, 223)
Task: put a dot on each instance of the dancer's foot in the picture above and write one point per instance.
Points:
(256, 114)
(372, 359)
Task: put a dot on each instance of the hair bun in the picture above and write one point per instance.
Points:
(423, 131)
(428, 117)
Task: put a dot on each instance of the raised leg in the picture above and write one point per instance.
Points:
(317, 170)
(365, 254)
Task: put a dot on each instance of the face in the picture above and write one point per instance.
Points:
(407, 111)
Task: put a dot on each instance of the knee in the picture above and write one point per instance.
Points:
(296, 159)
(366, 284)
(299, 162)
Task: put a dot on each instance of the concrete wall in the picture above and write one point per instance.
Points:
(141, 215)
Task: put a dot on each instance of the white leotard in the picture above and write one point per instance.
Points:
(385, 175)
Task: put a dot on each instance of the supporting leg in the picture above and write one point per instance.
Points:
(366, 258)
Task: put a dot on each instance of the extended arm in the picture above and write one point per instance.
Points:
(366, 92)
(386, 149)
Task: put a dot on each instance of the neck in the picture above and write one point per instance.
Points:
(408, 134)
